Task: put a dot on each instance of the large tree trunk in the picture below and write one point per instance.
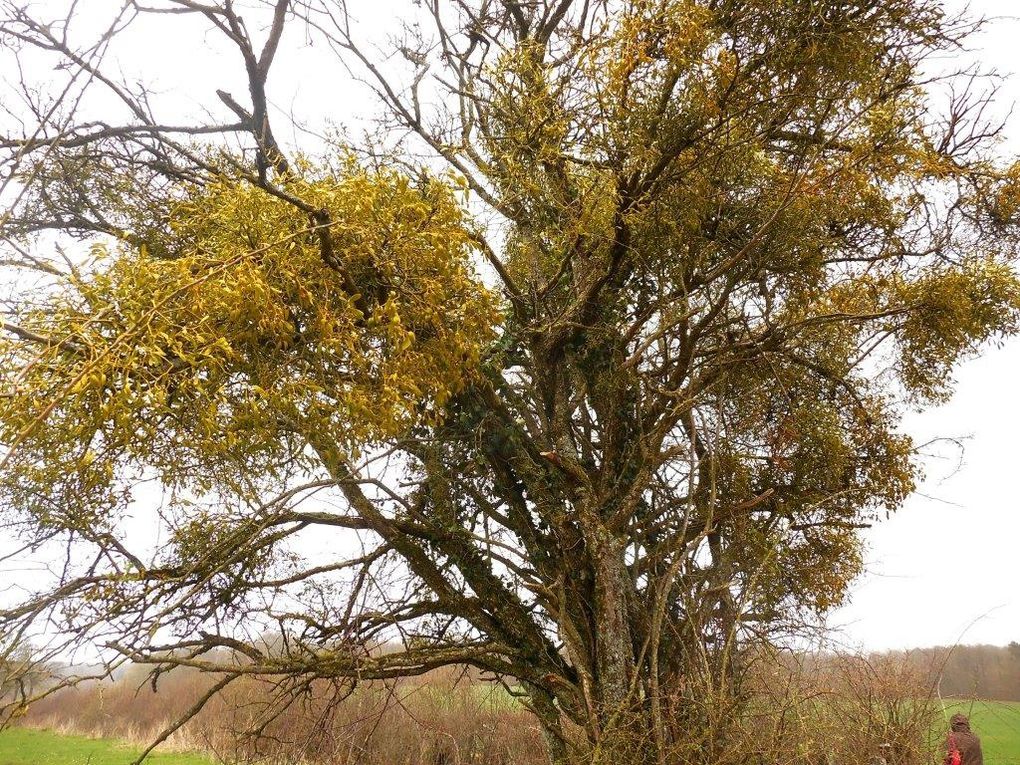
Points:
(614, 655)
(617, 716)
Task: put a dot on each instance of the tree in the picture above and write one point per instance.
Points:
(592, 397)
(20, 676)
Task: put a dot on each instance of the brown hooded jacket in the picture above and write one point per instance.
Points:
(968, 744)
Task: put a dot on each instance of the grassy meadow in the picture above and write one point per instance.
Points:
(24, 746)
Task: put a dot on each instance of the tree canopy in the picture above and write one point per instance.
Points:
(586, 373)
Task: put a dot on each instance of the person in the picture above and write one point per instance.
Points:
(965, 742)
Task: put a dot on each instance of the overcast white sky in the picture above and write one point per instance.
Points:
(944, 569)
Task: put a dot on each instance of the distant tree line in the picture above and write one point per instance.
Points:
(981, 671)
(20, 676)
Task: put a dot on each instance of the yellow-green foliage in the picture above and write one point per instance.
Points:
(767, 187)
(953, 310)
(220, 362)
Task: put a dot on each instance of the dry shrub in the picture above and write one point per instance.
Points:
(778, 709)
(882, 704)
(825, 709)
(128, 709)
(444, 718)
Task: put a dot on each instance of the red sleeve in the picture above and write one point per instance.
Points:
(950, 745)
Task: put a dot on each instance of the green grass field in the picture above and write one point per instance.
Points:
(998, 725)
(20, 746)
